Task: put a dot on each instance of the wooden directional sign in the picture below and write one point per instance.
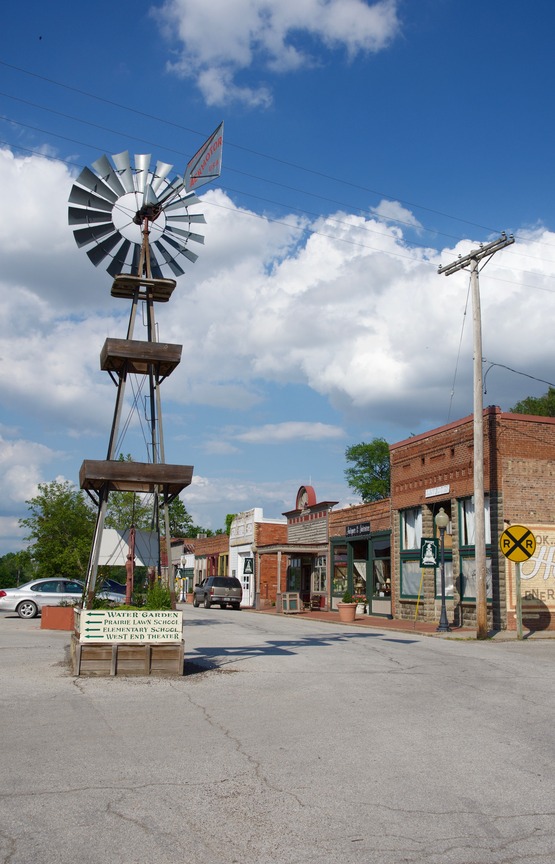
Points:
(517, 543)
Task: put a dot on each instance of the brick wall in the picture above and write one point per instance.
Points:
(519, 477)
(378, 513)
(269, 578)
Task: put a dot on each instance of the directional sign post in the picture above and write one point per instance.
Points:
(517, 543)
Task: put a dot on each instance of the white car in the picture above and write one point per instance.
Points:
(28, 599)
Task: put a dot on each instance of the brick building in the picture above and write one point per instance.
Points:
(435, 470)
(360, 555)
(302, 559)
(250, 530)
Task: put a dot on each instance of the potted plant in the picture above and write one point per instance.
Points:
(360, 600)
(347, 608)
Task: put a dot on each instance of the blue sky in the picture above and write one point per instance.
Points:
(365, 144)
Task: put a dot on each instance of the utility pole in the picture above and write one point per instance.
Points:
(471, 261)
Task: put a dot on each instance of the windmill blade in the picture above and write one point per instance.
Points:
(142, 164)
(122, 163)
(91, 181)
(109, 176)
(118, 263)
(155, 268)
(84, 236)
(160, 173)
(191, 217)
(187, 235)
(186, 201)
(87, 199)
(169, 259)
(98, 253)
(172, 190)
(84, 217)
(180, 248)
(136, 260)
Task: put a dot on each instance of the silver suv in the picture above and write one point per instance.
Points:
(223, 590)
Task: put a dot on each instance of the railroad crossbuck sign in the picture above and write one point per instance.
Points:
(517, 543)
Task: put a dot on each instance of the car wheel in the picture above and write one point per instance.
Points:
(207, 603)
(237, 606)
(223, 605)
(195, 602)
(27, 609)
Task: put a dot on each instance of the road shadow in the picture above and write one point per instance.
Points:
(217, 656)
(536, 616)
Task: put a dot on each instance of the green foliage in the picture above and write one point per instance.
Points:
(158, 597)
(181, 523)
(542, 406)
(16, 568)
(60, 528)
(228, 520)
(369, 475)
(347, 597)
(127, 508)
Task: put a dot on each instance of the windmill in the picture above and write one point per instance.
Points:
(138, 222)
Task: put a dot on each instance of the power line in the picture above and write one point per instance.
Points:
(244, 149)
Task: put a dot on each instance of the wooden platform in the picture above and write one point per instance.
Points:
(135, 357)
(117, 658)
(170, 480)
(155, 289)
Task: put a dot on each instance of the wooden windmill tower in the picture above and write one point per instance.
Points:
(139, 222)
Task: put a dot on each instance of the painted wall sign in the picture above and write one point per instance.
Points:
(130, 625)
(537, 573)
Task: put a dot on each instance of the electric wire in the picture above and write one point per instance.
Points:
(238, 147)
(452, 394)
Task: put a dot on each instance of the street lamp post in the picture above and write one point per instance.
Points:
(442, 521)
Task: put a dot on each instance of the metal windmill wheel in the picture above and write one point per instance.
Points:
(134, 217)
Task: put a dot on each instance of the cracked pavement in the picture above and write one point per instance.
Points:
(287, 740)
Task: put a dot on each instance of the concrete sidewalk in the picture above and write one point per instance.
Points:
(422, 627)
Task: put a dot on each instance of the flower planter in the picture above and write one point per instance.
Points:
(57, 618)
(347, 612)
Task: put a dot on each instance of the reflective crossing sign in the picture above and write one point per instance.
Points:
(517, 543)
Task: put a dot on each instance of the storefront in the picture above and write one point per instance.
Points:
(360, 556)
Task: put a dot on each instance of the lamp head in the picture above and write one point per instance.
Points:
(442, 519)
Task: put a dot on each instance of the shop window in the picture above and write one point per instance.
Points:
(468, 521)
(294, 575)
(339, 583)
(381, 577)
(468, 578)
(411, 575)
(223, 564)
(320, 579)
(449, 584)
(411, 528)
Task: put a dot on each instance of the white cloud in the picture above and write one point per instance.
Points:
(222, 39)
(352, 312)
(291, 431)
(392, 211)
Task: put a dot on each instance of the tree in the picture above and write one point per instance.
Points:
(369, 474)
(60, 525)
(542, 406)
(181, 523)
(15, 569)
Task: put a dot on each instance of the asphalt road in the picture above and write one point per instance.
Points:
(288, 741)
